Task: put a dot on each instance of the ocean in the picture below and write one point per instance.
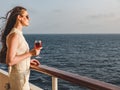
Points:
(93, 55)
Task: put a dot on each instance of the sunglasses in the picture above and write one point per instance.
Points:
(25, 16)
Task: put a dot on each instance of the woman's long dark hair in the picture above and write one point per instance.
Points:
(10, 20)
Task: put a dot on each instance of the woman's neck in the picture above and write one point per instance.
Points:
(18, 26)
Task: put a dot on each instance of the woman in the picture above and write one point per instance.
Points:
(16, 49)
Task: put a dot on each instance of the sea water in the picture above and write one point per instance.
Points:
(92, 55)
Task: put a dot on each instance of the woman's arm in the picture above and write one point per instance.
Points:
(11, 57)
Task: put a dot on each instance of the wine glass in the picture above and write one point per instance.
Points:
(38, 45)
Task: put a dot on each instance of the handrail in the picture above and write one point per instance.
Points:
(90, 83)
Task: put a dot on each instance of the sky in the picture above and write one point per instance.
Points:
(68, 16)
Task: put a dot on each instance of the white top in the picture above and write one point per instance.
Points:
(19, 73)
(22, 48)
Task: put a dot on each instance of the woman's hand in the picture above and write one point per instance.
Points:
(34, 62)
(35, 52)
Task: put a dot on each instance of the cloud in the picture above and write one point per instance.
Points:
(57, 10)
(99, 16)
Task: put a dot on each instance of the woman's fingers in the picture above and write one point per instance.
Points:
(35, 62)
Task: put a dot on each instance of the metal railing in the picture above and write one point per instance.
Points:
(89, 83)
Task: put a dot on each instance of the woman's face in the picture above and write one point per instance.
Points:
(24, 18)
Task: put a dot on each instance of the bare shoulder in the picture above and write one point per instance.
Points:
(13, 36)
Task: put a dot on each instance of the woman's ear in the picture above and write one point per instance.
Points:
(19, 17)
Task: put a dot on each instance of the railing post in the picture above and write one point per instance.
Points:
(54, 83)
